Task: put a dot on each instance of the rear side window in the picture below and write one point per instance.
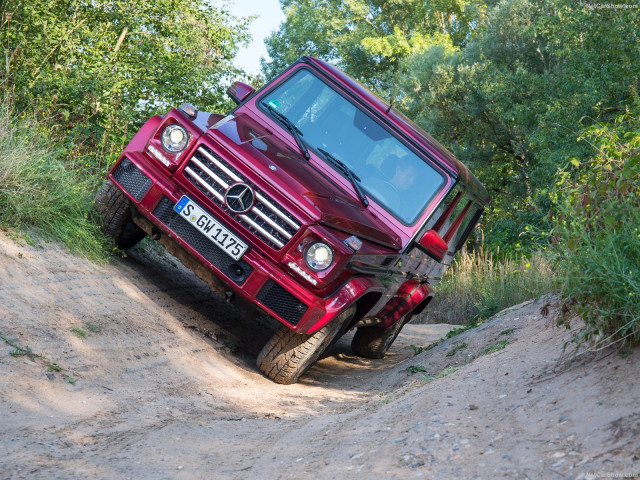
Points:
(443, 210)
(469, 221)
(455, 218)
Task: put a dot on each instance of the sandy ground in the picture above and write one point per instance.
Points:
(164, 386)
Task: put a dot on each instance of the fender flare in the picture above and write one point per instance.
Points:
(353, 291)
(141, 138)
(411, 296)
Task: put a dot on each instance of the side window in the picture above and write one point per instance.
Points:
(464, 227)
(440, 215)
(453, 219)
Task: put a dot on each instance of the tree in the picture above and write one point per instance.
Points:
(512, 101)
(367, 38)
(95, 69)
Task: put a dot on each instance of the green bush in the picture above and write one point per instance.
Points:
(479, 285)
(94, 71)
(40, 192)
(597, 232)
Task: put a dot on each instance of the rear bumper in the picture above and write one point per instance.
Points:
(254, 277)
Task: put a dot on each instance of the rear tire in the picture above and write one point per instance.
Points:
(288, 355)
(374, 342)
(116, 221)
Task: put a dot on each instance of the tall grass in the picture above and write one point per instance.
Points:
(40, 192)
(597, 233)
(479, 285)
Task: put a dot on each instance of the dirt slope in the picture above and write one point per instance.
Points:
(164, 386)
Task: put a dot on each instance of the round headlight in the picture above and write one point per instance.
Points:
(174, 138)
(319, 256)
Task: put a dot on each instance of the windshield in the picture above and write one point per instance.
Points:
(390, 172)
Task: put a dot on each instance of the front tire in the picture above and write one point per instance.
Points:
(115, 218)
(374, 342)
(288, 355)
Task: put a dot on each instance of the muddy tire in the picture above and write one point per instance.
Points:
(374, 342)
(114, 211)
(288, 355)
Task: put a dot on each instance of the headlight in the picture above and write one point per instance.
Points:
(174, 138)
(319, 256)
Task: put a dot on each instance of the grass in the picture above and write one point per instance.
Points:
(20, 351)
(41, 191)
(457, 348)
(79, 332)
(496, 346)
(411, 369)
(596, 233)
(417, 350)
(93, 328)
(458, 331)
(442, 374)
(479, 285)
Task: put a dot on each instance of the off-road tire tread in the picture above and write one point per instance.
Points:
(371, 342)
(288, 355)
(115, 216)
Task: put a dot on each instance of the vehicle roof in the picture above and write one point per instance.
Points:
(409, 128)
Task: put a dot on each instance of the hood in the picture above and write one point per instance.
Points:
(290, 174)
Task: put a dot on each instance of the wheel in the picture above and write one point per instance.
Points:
(116, 222)
(288, 355)
(374, 342)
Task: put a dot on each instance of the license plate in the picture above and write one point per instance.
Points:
(211, 227)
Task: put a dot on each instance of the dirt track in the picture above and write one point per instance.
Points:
(166, 387)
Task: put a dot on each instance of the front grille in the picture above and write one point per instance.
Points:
(282, 303)
(238, 271)
(132, 180)
(266, 219)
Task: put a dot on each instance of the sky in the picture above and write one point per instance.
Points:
(269, 17)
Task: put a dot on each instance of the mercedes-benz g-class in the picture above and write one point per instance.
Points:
(313, 199)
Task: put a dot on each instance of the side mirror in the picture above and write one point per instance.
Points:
(433, 245)
(239, 92)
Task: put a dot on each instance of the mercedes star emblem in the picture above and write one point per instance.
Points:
(239, 198)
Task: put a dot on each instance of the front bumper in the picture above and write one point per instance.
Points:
(254, 277)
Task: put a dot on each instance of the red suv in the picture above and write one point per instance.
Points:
(313, 199)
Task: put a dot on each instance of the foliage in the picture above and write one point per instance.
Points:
(496, 346)
(457, 348)
(94, 71)
(83, 76)
(457, 331)
(511, 101)
(418, 350)
(596, 235)
(478, 285)
(367, 38)
(39, 188)
(411, 369)
(79, 332)
(19, 351)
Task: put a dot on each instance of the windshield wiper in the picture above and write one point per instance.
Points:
(349, 173)
(297, 134)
